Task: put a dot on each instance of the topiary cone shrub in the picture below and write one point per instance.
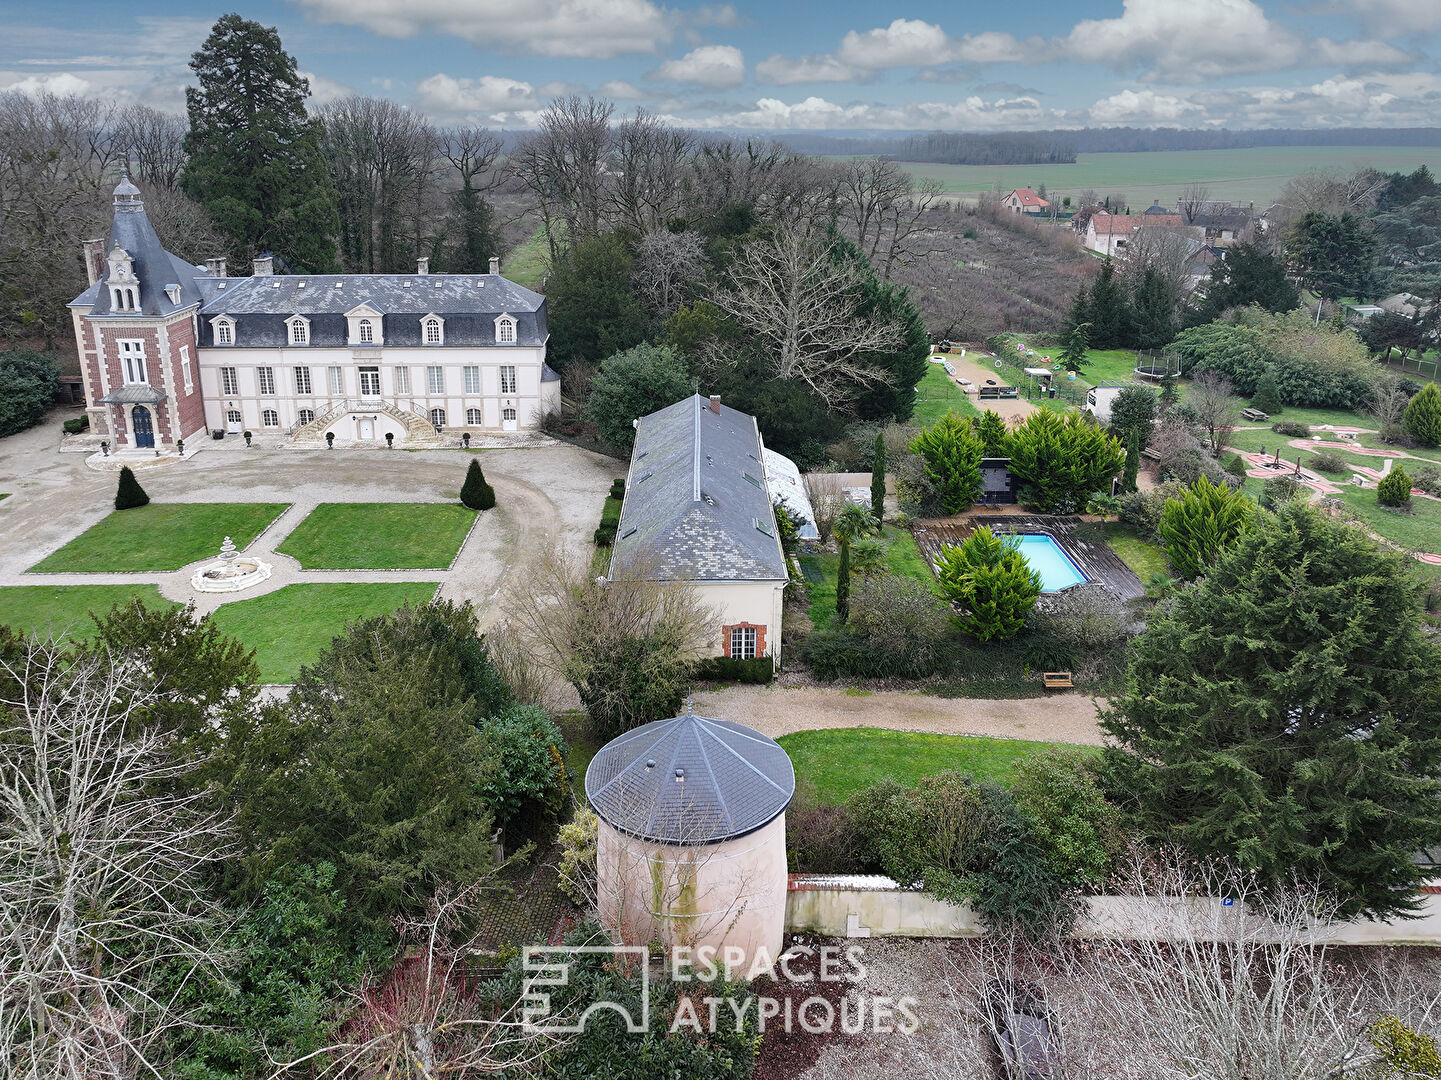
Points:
(1394, 488)
(129, 494)
(475, 492)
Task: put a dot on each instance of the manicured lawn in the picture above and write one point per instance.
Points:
(823, 570)
(834, 764)
(64, 610)
(1419, 530)
(1145, 559)
(289, 627)
(379, 536)
(161, 536)
(1102, 365)
(1430, 453)
(938, 394)
(529, 263)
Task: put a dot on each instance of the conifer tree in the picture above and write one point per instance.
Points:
(1110, 311)
(1201, 524)
(990, 580)
(1077, 348)
(1283, 715)
(992, 430)
(129, 494)
(878, 479)
(1394, 488)
(475, 492)
(254, 159)
(1154, 312)
(1133, 461)
(843, 582)
(1267, 397)
(952, 452)
(1423, 416)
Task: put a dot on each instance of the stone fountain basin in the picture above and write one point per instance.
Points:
(229, 575)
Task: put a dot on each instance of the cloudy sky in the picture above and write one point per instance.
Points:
(791, 66)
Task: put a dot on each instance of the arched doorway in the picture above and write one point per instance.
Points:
(140, 426)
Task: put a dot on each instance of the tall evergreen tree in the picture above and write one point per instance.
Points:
(128, 493)
(878, 478)
(1154, 311)
(1249, 274)
(1076, 350)
(1423, 416)
(1284, 714)
(1110, 311)
(254, 153)
(1334, 255)
(1080, 312)
(1132, 468)
(992, 430)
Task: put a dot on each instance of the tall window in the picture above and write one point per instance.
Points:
(336, 379)
(507, 379)
(266, 377)
(302, 381)
(505, 331)
(473, 418)
(370, 382)
(437, 417)
(433, 332)
(435, 379)
(132, 360)
(743, 643)
(224, 332)
(366, 331)
(307, 416)
(402, 380)
(299, 333)
(229, 382)
(270, 418)
(472, 379)
(185, 369)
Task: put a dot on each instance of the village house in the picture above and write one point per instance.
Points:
(171, 351)
(698, 509)
(1110, 233)
(1222, 224)
(1024, 201)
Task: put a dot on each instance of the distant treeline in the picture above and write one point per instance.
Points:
(1061, 147)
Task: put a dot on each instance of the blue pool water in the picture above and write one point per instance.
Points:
(1054, 565)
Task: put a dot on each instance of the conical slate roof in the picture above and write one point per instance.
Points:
(690, 780)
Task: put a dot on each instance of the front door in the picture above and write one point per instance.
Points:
(140, 426)
(507, 420)
(367, 429)
(234, 421)
(370, 382)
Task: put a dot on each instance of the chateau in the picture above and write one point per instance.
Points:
(171, 351)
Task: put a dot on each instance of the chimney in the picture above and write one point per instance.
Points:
(495, 264)
(422, 265)
(215, 267)
(93, 252)
(264, 266)
(715, 404)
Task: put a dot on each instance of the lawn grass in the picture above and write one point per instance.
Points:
(1145, 559)
(938, 394)
(289, 627)
(161, 536)
(529, 262)
(1430, 453)
(834, 764)
(379, 536)
(1419, 530)
(822, 570)
(64, 610)
(1102, 365)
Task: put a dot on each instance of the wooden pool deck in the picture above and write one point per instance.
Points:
(1097, 561)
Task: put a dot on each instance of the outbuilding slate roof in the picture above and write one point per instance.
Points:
(697, 506)
(690, 780)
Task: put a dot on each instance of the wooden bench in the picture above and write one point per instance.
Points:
(1056, 680)
(1255, 415)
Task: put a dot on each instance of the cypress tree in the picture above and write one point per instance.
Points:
(843, 582)
(475, 492)
(1423, 416)
(1394, 488)
(992, 430)
(1110, 311)
(1283, 714)
(129, 494)
(878, 479)
(254, 159)
(1155, 312)
(1201, 524)
(1267, 397)
(1133, 461)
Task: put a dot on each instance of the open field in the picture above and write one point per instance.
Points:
(1240, 176)
(838, 762)
(161, 536)
(529, 263)
(65, 610)
(379, 536)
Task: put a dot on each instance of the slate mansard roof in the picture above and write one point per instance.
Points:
(690, 780)
(155, 268)
(697, 507)
(469, 304)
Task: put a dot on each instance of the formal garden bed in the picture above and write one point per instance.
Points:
(289, 627)
(379, 536)
(65, 610)
(160, 536)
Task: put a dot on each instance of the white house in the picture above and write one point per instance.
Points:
(171, 351)
(1024, 201)
(1110, 234)
(698, 508)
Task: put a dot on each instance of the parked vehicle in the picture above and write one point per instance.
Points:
(1022, 1032)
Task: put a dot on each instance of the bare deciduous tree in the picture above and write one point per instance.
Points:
(828, 498)
(152, 143)
(883, 205)
(650, 168)
(799, 304)
(666, 265)
(1195, 200)
(1387, 403)
(1217, 407)
(1164, 250)
(103, 914)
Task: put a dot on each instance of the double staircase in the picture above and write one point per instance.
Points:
(418, 429)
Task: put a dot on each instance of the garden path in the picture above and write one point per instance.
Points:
(777, 710)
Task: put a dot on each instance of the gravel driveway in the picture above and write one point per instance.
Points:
(776, 711)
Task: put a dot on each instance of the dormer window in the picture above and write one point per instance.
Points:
(432, 330)
(366, 326)
(365, 332)
(505, 330)
(224, 328)
(124, 286)
(299, 330)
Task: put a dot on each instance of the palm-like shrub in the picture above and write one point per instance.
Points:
(1202, 522)
(991, 582)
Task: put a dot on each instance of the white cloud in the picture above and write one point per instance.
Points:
(55, 82)
(905, 43)
(323, 91)
(715, 67)
(620, 90)
(819, 114)
(598, 29)
(781, 70)
(1144, 108)
(1388, 18)
(446, 96)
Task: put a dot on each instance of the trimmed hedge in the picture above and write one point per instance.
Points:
(609, 519)
(77, 425)
(758, 671)
(1291, 428)
(617, 488)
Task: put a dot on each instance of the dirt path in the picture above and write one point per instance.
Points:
(976, 367)
(776, 711)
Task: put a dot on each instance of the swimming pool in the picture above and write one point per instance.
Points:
(1050, 560)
